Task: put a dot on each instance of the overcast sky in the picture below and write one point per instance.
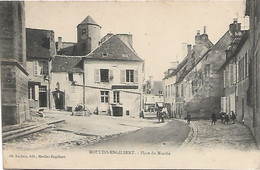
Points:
(158, 28)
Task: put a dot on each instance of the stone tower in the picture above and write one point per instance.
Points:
(88, 32)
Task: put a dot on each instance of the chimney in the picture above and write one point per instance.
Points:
(189, 49)
(204, 36)
(126, 38)
(151, 81)
(198, 38)
(59, 43)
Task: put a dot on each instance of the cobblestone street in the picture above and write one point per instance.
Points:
(233, 136)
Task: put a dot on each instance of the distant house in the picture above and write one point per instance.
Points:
(153, 93)
(40, 49)
(66, 71)
(169, 87)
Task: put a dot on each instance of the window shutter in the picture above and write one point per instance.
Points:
(234, 73)
(136, 76)
(111, 76)
(237, 73)
(36, 95)
(97, 75)
(231, 74)
(35, 67)
(122, 74)
(224, 78)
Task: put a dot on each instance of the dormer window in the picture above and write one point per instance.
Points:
(124, 55)
(104, 54)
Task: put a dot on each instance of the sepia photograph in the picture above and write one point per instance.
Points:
(130, 84)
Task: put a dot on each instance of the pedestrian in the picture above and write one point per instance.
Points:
(159, 115)
(188, 118)
(226, 119)
(213, 118)
(141, 114)
(233, 116)
(222, 116)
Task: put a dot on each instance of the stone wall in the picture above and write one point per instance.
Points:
(14, 84)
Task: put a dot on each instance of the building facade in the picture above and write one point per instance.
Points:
(41, 48)
(114, 76)
(253, 11)
(66, 71)
(14, 83)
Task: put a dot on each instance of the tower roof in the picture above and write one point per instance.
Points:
(89, 20)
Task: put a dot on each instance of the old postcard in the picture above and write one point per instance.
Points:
(130, 85)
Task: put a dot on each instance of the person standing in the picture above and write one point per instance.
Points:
(188, 118)
(159, 115)
(233, 116)
(213, 118)
(226, 119)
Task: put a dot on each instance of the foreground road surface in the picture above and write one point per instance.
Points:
(164, 138)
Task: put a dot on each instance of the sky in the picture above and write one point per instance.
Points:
(158, 27)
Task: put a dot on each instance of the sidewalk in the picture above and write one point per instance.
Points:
(233, 136)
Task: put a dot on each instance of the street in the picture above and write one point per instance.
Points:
(79, 132)
(167, 137)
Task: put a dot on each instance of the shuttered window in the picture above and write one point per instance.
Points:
(96, 75)
(35, 68)
(36, 93)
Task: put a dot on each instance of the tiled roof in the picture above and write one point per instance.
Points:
(239, 47)
(38, 44)
(89, 20)
(71, 64)
(114, 49)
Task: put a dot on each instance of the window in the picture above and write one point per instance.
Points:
(83, 31)
(116, 96)
(177, 91)
(127, 112)
(70, 76)
(104, 96)
(42, 89)
(105, 54)
(40, 68)
(104, 75)
(246, 65)
(182, 90)
(124, 55)
(207, 70)
(30, 92)
(129, 75)
(165, 90)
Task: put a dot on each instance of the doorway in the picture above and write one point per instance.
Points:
(43, 96)
(117, 111)
(59, 99)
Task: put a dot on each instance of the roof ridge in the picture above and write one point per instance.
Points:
(98, 46)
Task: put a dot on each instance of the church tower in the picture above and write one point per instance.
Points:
(88, 32)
